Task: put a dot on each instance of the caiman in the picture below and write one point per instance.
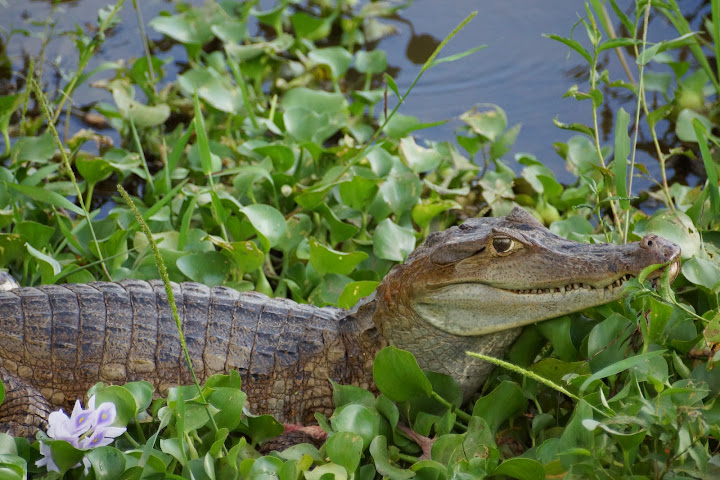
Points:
(469, 288)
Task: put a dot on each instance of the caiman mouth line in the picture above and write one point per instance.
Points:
(620, 282)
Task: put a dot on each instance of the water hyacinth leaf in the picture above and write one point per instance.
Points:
(418, 158)
(64, 455)
(355, 291)
(38, 149)
(142, 392)
(190, 27)
(36, 233)
(140, 114)
(521, 469)
(684, 125)
(229, 403)
(211, 87)
(504, 142)
(264, 468)
(329, 289)
(282, 157)
(309, 126)
(349, 394)
(208, 268)
(230, 31)
(107, 462)
(607, 340)
(374, 61)
(310, 27)
(504, 402)
(337, 59)
(124, 402)
(345, 448)
(49, 197)
(393, 242)
(359, 420)
(267, 222)
(359, 192)
(490, 121)
(246, 256)
(93, 169)
(423, 213)
(379, 452)
(398, 376)
(702, 272)
(326, 260)
(329, 471)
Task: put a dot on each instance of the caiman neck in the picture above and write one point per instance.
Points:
(398, 324)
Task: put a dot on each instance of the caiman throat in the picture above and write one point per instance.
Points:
(471, 287)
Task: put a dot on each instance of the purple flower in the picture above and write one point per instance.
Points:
(84, 429)
(47, 460)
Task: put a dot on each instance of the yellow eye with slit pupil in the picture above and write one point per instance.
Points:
(502, 244)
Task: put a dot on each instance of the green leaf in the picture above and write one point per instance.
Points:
(44, 260)
(355, 291)
(345, 448)
(373, 61)
(267, 222)
(701, 129)
(108, 463)
(393, 242)
(418, 158)
(423, 213)
(702, 272)
(229, 403)
(38, 149)
(140, 114)
(208, 268)
(505, 402)
(336, 58)
(63, 454)
(455, 57)
(360, 420)
(521, 469)
(215, 89)
(574, 44)
(94, 169)
(490, 122)
(684, 128)
(398, 376)
(379, 452)
(622, 150)
(621, 366)
(326, 260)
(47, 196)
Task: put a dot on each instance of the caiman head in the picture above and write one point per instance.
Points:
(493, 275)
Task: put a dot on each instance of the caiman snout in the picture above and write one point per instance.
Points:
(664, 251)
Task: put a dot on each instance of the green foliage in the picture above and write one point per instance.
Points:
(267, 165)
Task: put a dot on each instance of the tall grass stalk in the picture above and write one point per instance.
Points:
(40, 96)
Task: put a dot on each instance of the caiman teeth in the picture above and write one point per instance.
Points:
(572, 287)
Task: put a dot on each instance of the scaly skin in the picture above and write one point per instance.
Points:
(471, 287)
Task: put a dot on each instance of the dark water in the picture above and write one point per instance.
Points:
(520, 70)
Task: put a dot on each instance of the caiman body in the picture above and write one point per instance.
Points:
(470, 287)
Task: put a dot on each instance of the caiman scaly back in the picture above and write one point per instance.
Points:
(471, 287)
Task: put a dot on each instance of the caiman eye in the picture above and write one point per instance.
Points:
(502, 244)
